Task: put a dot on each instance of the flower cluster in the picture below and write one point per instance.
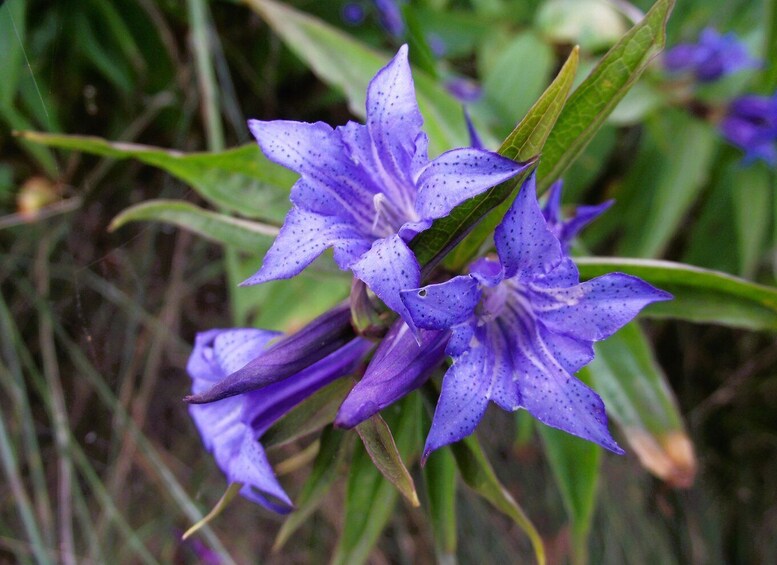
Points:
(750, 123)
(713, 57)
(516, 327)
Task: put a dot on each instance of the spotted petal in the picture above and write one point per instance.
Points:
(525, 245)
(596, 309)
(387, 268)
(252, 468)
(303, 237)
(441, 306)
(458, 175)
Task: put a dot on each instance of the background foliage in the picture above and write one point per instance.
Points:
(100, 458)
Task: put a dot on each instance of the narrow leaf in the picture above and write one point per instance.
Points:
(347, 64)
(750, 190)
(525, 141)
(244, 234)
(440, 480)
(379, 443)
(370, 498)
(700, 295)
(240, 180)
(310, 415)
(638, 397)
(575, 464)
(327, 467)
(223, 502)
(597, 96)
(477, 472)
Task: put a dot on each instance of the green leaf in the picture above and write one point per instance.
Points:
(597, 96)
(329, 464)
(478, 474)
(349, 65)
(700, 295)
(13, 25)
(751, 190)
(244, 234)
(575, 464)
(310, 415)
(440, 480)
(769, 76)
(370, 498)
(525, 141)
(638, 397)
(669, 175)
(240, 180)
(379, 443)
(517, 77)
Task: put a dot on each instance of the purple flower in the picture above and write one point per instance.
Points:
(366, 190)
(390, 16)
(713, 57)
(353, 13)
(521, 326)
(465, 90)
(231, 428)
(750, 123)
(566, 230)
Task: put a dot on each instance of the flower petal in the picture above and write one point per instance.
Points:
(252, 468)
(234, 349)
(525, 245)
(387, 268)
(596, 309)
(394, 122)
(441, 306)
(458, 175)
(303, 237)
(400, 366)
(463, 400)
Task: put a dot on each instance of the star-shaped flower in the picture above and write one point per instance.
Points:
(713, 57)
(521, 327)
(366, 190)
(231, 428)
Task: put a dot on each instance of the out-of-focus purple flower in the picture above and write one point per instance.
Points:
(713, 57)
(436, 44)
(566, 230)
(464, 90)
(231, 428)
(353, 13)
(366, 190)
(521, 327)
(390, 16)
(750, 123)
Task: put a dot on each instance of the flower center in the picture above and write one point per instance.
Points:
(388, 216)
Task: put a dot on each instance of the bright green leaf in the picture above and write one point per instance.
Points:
(597, 96)
(700, 295)
(525, 141)
(240, 180)
(244, 234)
(440, 480)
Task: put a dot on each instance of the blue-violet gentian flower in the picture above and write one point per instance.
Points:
(713, 57)
(231, 428)
(566, 230)
(750, 123)
(521, 326)
(366, 190)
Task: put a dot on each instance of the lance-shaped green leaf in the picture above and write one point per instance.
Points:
(329, 463)
(440, 480)
(525, 141)
(751, 214)
(477, 472)
(347, 64)
(244, 234)
(310, 415)
(370, 498)
(597, 96)
(379, 443)
(240, 180)
(635, 390)
(700, 295)
(575, 464)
